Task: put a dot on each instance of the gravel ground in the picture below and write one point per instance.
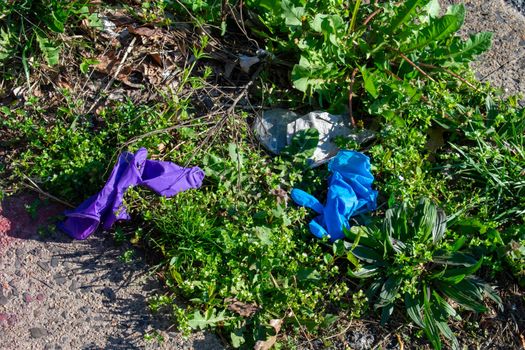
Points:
(518, 4)
(56, 293)
(504, 65)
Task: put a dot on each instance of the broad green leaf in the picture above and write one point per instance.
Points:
(49, 50)
(431, 327)
(438, 29)
(456, 258)
(364, 272)
(386, 313)
(487, 289)
(414, 310)
(363, 234)
(433, 8)
(438, 230)
(303, 143)
(292, 15)
(404, 13)
(389, 291)
(367, 254)
(308, 275)
(209, 319)
(425, 216)
(369, 80)
(235, 155)
(444, 307)
(306, 76)
(464, 271)
(464, 293)
(237, 338)
(466, 51)
(447, 332)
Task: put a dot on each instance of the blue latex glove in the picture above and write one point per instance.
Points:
(349, 193)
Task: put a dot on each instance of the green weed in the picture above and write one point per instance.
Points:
(405, 261)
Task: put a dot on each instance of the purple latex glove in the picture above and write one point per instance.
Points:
(106, 207)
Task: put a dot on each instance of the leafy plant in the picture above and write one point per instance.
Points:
(379, 47)
(29, 22)
(235, 245)
(405, 260)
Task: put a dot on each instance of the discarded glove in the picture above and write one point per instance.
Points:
(107, 206)
(349, 193)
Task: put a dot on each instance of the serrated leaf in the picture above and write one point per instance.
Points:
(48, 49)
(303, 143)
(466, 51)
(209, 319)
(404, 13)
(438, 29)
(292, 15)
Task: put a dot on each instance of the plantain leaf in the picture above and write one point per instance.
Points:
(364, 272)
(464, 293)
(440, 225)
(414, 310)
(431, 327)
(367, 254)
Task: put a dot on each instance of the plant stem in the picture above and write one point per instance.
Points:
(354, 15)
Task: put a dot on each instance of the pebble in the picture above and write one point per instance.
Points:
(38, 332)
(27, 297)
(3, 298)
(74, 285)
(59, 279)
(43, 265)
(54, 261)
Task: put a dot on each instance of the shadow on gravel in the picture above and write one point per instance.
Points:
(110, 292)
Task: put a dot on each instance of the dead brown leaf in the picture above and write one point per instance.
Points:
(243, 309)
(268, 343)
(145, 31)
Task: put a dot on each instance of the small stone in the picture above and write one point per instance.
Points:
(38, 332)
(110, 294)
(18, 264)
(27, 297)
(54, 261)
(74, 285)
(43, 265)
(64, 315)
(37, 313)
(59, 279)
(14, 291)
(40, 297)
(3, 298)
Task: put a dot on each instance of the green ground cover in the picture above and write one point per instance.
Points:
(237, 252)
